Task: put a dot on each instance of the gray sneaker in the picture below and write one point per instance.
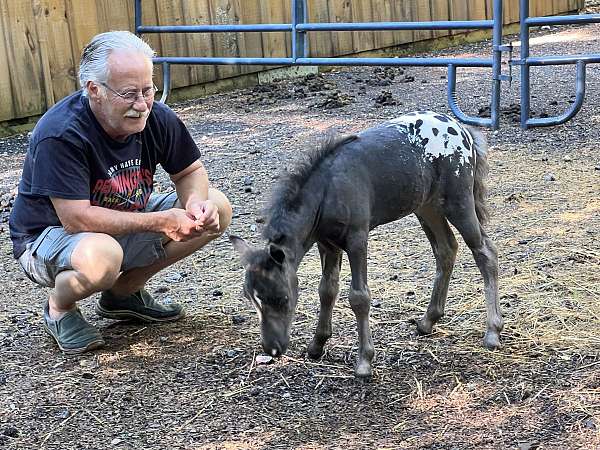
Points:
(72, 333)
(138, 306)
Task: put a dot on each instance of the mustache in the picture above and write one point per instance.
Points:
(137, 114)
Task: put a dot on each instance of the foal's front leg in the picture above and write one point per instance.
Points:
(329, 287)
(360, 301)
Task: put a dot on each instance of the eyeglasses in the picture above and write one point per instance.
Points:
(132, 96)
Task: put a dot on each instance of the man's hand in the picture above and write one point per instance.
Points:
(180, 226)
(206, 215)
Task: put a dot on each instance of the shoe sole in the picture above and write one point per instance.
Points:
(125, 314)
(77, 351)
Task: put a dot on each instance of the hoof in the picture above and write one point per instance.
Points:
(363, 370)
(492, 341)
(314, 351)
(424, 327)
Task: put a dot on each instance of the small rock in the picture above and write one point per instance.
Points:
(253, 228)
(237, 319)
(217, 293)
(549, 177)
(173, 277)
(590, 424)
(264, 359)
(87, 375)
(528, 445)
(248, 181)
(116, 441)
(375, 303)
(567, 158)
(10, 431)
(64, 414)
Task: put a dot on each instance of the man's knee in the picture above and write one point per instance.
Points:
(98, 257)
(224, 206)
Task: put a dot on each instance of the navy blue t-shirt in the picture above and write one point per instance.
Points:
(70, 156)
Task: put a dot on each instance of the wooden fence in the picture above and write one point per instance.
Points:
(41, 40)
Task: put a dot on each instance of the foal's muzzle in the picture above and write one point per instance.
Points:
(274, 347)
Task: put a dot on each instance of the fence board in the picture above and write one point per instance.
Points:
(250, 44)
(62, 60)
(82, 16)
(224, 12)
(421, 12)
(439, 11)
(273, 44)
(363, 12)
(7, 110)
(23, 58)
(341, 11)
(199, 44)
(321, 43)
(173, 44)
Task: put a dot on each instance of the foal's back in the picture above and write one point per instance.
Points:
(393, 169)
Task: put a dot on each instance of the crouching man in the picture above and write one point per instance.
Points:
(86, 220)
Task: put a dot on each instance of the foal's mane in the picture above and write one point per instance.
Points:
(286, 197)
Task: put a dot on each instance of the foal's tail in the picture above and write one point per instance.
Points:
(481, 172)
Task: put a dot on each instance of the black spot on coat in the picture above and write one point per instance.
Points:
(452, 131)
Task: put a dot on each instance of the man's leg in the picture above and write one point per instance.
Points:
(133, 280)
(76, 266)
(95, 262)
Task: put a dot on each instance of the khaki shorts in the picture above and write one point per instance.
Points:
(50, 254)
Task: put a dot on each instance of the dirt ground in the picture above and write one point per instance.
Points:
(197, 384)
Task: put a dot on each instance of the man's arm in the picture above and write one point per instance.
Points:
(78, 216)
(199, 213)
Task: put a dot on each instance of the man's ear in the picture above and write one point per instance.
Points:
(93, 89)
(277, 254)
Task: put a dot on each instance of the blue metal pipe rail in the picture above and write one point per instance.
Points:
(526, 62)
(300, 29)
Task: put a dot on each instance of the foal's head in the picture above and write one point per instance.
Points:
(271, 285)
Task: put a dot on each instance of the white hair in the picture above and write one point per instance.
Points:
(94, 58)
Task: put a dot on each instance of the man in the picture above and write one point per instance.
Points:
(85, 219)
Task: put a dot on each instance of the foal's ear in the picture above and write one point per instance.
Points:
(277, 254)
(239, 244)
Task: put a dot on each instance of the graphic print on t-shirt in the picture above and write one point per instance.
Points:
(127, 187)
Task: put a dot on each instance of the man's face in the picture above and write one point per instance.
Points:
(128, 72)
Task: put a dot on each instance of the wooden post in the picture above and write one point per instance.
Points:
(41, 27)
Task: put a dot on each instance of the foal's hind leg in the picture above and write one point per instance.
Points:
(444, 248)
(360, 301)
(329, 287)
(464, 218)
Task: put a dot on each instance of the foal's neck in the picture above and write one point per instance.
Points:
(296, 230)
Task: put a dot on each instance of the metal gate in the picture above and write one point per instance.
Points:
(300, 29)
